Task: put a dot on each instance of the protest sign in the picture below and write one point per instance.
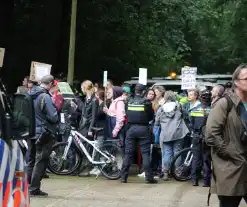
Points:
(39, 70)
(66, 90)
(143, 76)
(105, 79)
(2, 52)
(188, 77)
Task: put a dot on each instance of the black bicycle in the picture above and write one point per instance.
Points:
(181, 164)
(79, 152)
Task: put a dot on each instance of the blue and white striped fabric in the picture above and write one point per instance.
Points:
(13, 184)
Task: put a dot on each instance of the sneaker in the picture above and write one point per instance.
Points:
(38, 193)
(84, 174)
(95, 171)
(166, 177)
(141, 175)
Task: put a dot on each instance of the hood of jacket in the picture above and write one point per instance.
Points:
(117, 92)
(37, 90)
(169, 109)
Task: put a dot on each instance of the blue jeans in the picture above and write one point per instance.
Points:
(170, 149)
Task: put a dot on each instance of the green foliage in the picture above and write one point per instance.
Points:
(123, 35)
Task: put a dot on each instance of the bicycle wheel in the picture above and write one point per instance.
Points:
(112, 170)
(181, 165)
(59, 166)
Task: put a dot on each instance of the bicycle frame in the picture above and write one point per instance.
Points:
(189, 157)
(78, 138)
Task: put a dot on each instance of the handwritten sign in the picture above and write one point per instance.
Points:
(188, 77)
(143, 73)
(39, 70)
(2, 52)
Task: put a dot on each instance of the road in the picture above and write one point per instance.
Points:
(88, 192)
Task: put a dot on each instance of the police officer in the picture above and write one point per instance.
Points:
(198, 111)
(139, 113)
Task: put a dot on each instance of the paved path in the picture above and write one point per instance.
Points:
(88, 192)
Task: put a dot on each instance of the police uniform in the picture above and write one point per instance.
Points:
(139, 113)
(201, 158)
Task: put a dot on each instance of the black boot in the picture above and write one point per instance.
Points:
(38, 193)
(195, 183)
(152, 181)
(45, 176)
(124, 179)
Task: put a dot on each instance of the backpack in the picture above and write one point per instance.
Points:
(229, 103)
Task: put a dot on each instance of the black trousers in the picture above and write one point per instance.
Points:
(231, 201)
(141, 135)
(38, 162)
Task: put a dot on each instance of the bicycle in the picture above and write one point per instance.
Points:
(77, 146)
(181, 164)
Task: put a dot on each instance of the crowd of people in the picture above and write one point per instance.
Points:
(152, 116)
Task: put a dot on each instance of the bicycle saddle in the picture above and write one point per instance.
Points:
(95, 129)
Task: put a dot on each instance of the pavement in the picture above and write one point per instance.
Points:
(88, 192)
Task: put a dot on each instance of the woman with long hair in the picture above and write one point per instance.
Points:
(90, 109)
(151, 96)
(159, 97)
(116, 112)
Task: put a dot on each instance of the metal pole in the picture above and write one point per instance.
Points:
(71, 61)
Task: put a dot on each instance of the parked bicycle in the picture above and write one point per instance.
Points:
(67, 157)
(181, 164)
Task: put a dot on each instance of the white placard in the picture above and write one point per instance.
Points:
(2, 52)
(62, 118)
(41, 71)
(143, 74)
(105, 79)
(188, 77)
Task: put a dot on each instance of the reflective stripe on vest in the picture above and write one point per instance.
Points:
(197, 114)
(135, 105)
(132, 107)
(200, 112)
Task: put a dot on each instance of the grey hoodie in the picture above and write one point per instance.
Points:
(173, 127)
(46, 116)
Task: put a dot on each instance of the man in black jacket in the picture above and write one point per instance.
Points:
(46, 127)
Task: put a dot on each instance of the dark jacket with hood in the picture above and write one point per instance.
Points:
(45, 111)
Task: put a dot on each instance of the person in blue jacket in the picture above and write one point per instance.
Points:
(40, 146)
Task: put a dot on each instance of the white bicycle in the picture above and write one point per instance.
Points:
(79, 152)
